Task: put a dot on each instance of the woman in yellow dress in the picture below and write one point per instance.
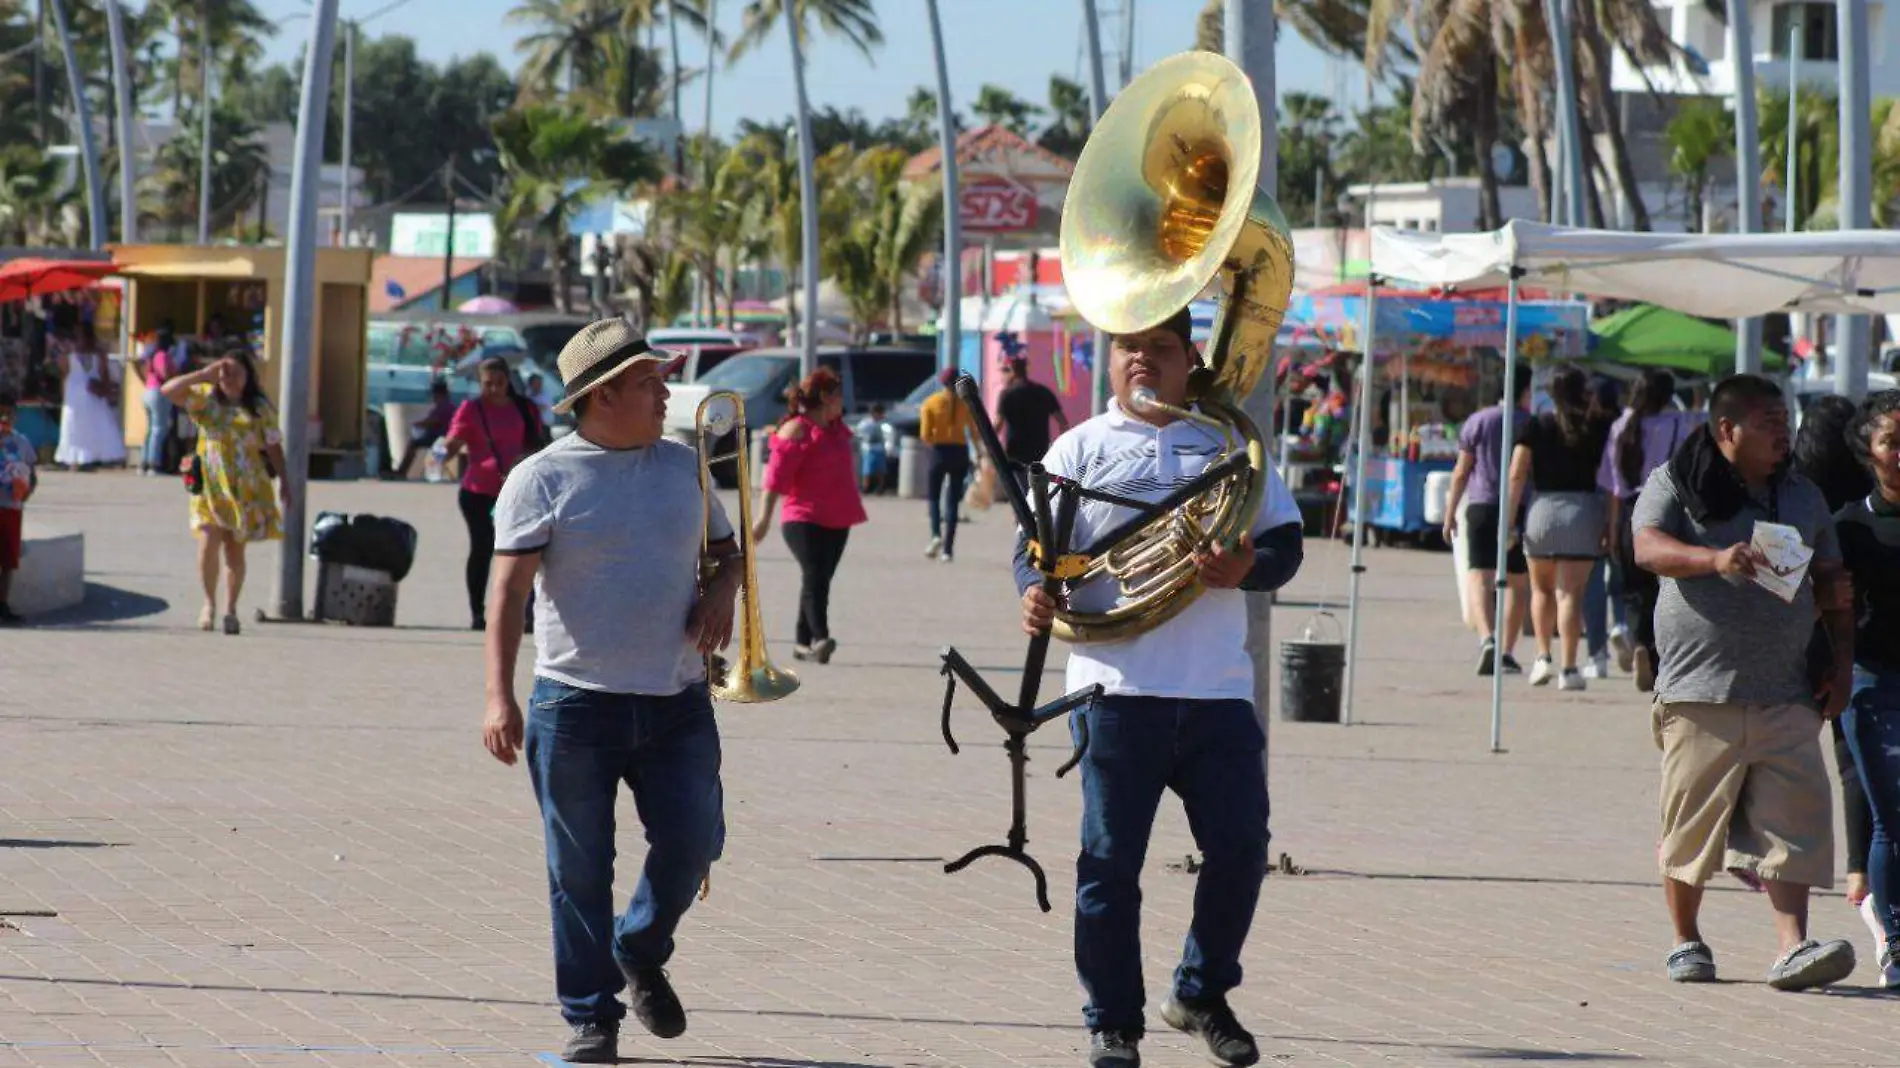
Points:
(239, 453)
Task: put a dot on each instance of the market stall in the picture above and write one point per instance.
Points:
(1435, 363)
(1648, 336)
(44, 295)
(1725, 276)
(243, 287)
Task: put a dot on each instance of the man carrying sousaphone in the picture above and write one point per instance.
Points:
(606, 525)
(1176, 712)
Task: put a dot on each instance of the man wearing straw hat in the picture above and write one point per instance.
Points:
(605, 526)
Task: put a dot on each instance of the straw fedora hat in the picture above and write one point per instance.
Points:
(601, 350)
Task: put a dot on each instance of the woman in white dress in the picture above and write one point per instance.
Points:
(89, 431)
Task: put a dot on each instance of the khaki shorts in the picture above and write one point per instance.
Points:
(1744, 786)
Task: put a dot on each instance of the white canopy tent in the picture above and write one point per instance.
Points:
(1728, 276)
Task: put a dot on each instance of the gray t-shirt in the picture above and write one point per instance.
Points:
(1733, 642)
(619, 535)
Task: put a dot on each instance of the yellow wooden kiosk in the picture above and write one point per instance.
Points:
(243, 287)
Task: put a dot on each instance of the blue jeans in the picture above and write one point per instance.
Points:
(1209, 753)
(949, 466)
(581, 745)
(158, 427)
(1872, 726)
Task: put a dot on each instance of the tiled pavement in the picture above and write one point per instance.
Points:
(288, 848)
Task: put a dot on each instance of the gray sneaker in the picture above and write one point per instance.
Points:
(593, 1042)
(1691, 962)
(1114, 1049)
(1813, 964)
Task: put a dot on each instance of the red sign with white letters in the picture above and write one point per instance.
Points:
(996, 207)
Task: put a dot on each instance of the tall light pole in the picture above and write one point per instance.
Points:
(1741, 54)
(204, 123)
(128, 152)
(808, 193)
(1558, 15)
(82, 118)
(349, 116)
(1098, 103)
(712, 35)
(952, 212)
(1852, 333)
(300, 292)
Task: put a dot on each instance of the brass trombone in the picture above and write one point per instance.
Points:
(754, 679)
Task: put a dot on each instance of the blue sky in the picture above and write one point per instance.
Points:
(1017, 44)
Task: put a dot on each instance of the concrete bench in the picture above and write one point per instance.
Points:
(52, 573)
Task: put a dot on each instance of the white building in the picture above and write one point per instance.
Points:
(1710, 70)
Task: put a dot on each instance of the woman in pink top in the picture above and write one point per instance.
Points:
(812, 467)
(498, 430)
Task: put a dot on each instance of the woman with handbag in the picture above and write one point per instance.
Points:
(498, 429)
(89, 433)
(229, 474)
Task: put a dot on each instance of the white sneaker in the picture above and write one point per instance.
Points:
(1570, 680)
(1883, 957)
(1598, 667)
(935, 547)
(1624, 649)
(1541, 671)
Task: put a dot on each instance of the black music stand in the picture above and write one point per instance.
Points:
(1051, 559)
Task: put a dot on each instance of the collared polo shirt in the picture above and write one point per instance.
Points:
(1202, 652)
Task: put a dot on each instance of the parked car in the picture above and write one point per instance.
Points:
(762, 376)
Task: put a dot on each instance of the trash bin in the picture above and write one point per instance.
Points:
(361, 560)
(1312, 677)
(913, 469)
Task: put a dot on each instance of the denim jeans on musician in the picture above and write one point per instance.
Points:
(1872, 726)
(158, 426)
(1208, 753)
(581, 745)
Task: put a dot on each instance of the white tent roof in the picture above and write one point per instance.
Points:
(1720, 276)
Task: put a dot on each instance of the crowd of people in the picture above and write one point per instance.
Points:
(1756, 578)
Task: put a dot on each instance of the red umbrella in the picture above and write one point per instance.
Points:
(23, 278)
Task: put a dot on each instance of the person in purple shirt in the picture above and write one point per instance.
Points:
(1474, 483)
(1642, 439)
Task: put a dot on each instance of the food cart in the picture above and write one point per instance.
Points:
(1436, 361)
(243, 286)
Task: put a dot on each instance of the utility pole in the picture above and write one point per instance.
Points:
(1741, 52)
(300, 297)
(952, 205)
(1250, 33)
(794, 16)
(448, 247)
(1098, 103)
(1852, 333)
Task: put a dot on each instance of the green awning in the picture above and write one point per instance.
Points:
(1648, 336)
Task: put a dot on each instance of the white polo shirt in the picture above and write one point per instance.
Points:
(1201, 653)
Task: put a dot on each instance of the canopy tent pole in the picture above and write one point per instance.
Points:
(1507, 516)
(1363, 409)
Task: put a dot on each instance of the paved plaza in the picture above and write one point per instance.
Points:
(289, 848)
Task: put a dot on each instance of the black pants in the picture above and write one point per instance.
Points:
(817, 550)
(948, 464)
(478, 512)
(1638, 588)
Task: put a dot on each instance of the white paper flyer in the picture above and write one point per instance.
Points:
(1786, 559)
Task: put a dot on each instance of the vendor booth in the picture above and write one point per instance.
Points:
(243, 289)
(1725, 276)
(44, 295)
(1436, 363)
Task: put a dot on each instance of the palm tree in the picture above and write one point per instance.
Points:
(566, 45)
(238, 156)
(553, 161)
(1700, 134)
(856, 22)
(29, 194)
(636, 14)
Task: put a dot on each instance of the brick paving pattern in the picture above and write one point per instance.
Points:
(289, 848)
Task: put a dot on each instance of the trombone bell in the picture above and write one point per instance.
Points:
(753, 678)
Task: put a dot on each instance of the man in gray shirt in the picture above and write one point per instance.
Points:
(606, 528)
(1739, 709)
